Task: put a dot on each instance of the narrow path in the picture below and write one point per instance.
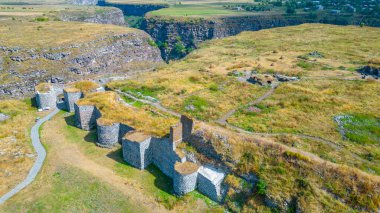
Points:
(41, 155)
(157, 105)
(223, 119)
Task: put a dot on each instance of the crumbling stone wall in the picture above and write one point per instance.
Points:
(138, 154)
(163, 155)
(184, 183)
(86, 116)
(176, 134)
(108, 135)
(46, 100)
(71, 98)
(187, 127)
(162, 152)
(210, 182)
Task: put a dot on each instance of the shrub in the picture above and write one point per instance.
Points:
(41, 19)
(152, 43)
(214, 87)
(305, 65)
(261, 187)
(294, 155)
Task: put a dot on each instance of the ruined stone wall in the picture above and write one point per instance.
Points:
(46, 100)
(187, 127)
(86, 116)
(71, 98)
(163, 155)
(210, 182)
(138, 154)
(176, 135)
(108, 135)
(184, 183)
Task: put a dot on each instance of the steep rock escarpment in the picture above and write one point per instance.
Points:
(23, 68)
(84, 2)
(134, 9)
(177, 36)
(105, 15)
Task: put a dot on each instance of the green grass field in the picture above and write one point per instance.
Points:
(69, 189)
(193, 10)
(33, 2)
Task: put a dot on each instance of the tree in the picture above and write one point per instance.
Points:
(290, 10)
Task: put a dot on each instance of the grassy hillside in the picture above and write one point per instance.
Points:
(17, 154)
(33, 2)
(197, 10)
(206, 85)
(44, 34)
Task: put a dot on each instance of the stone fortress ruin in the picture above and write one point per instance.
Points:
(141, 149)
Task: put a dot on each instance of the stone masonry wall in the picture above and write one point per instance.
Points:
(209, 182)
(45, 100)
(160, 151)
(71, 98)
(187, 127)
(184, 183)
(138, 154)
(86, 116)
(108, 135)
(163, 155)
(176, 134)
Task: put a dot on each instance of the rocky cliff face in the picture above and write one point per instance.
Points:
(176, 37)
(107, 15)
(23, 68)
(84, 2)
(134, 9)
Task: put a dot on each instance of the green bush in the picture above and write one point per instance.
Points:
(261, 187)
(305, 65)
(152, 43)
(41, 19)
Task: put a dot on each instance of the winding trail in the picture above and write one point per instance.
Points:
(155, 104)
(223, 119)
(41, 155)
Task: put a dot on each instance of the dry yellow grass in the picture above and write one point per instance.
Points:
(326, 58)
(114, 111)
(186, 168)
(43, 87)
(329, 84)
(55, 33)
(16, 156)
(291, 173)
(82, 86)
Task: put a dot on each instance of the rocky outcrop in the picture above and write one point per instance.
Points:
(84, 2)
(3, 117)
(178, 36)
(108, 15)
(371, 70)
(26, 67)
(131, 9)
